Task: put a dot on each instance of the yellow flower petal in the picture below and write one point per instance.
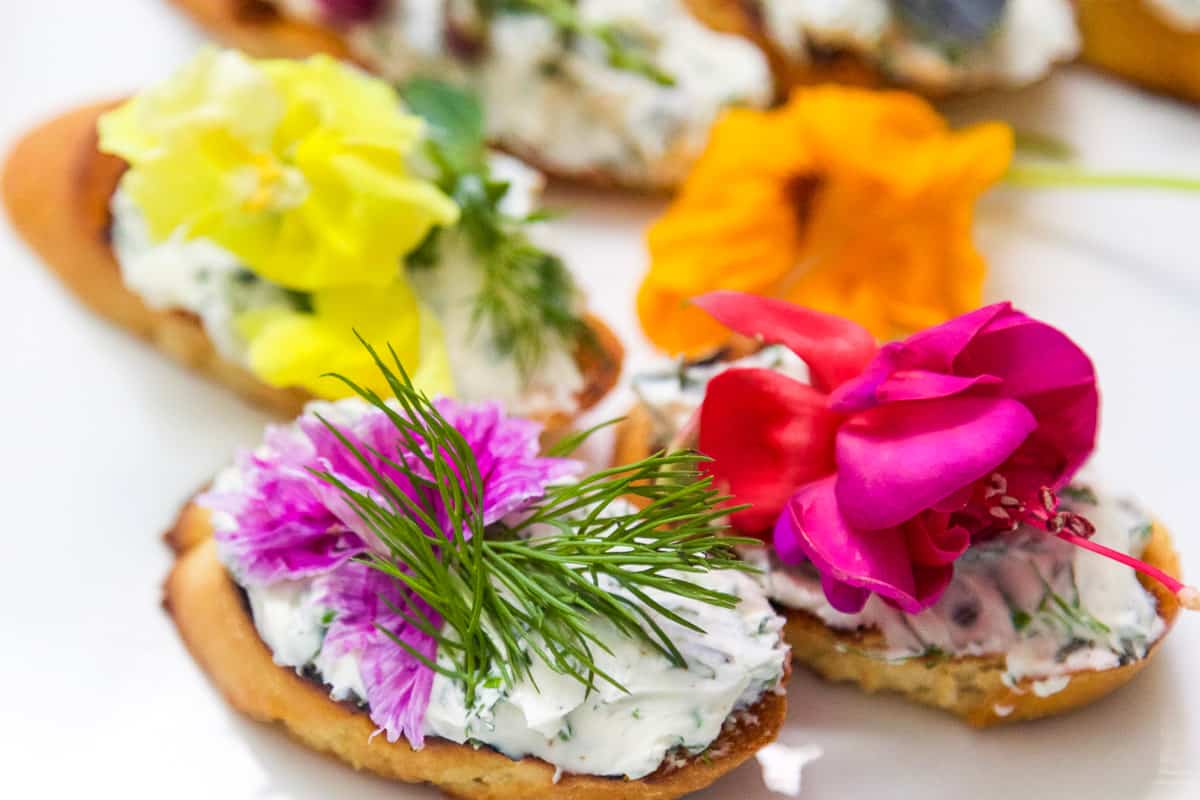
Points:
(297, 167)
(294, 349)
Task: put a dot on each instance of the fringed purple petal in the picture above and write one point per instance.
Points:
(289, 523)
(397, 683)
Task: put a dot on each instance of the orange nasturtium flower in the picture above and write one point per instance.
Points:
(850, 201)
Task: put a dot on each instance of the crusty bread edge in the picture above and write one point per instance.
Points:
(210, 614)
(1128, 40)
(57, 188)
(969, 687)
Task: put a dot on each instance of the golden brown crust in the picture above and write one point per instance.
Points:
(214, 624)
(57, 188)
(1130, 40)
(970, 687)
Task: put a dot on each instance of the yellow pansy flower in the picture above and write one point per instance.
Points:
(296, 167)
(294, 348)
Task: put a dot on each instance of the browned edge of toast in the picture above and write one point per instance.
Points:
(57, 186)
(210, 614)
(970, 687)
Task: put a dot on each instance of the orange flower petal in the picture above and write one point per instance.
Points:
(851, 201)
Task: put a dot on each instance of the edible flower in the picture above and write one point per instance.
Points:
(885, 467)
(291, 523)
(296, 167)
(844, 200)
(289, 347)
(436, 539)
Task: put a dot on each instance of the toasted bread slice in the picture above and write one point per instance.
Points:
(969, 686)
(57, 188)
(218, 630)
(1130, 40)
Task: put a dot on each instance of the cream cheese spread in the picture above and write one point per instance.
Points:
(1181, 14)
(665, 712)
(1029, 38)
(562, 104)
(198, 275)
(1049, 607)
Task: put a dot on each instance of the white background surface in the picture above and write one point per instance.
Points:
(103, 439)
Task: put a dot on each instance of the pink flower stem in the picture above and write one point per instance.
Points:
(1188, 596)
(1008, 511)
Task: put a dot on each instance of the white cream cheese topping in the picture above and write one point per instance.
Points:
(200, 276)
(667, 711)
(1051, 608)
(1031, 36)
(1181, 14)
(673, 395)
(566, 107)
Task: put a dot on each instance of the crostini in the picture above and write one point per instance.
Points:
(600, 91)
(936, 48)
(926, 530)
(247, 217)
(1154, 43)
(409, 586)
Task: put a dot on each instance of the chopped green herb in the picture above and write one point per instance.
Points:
(1020, 619)
(1080, 493)
(527, 294)
(503, 596)
(624, 49)
(328, 617)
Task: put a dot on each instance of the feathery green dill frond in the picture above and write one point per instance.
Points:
(530, 589)
(623, 49)
(527, 294)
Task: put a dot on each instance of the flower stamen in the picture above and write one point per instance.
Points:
(1074, 528)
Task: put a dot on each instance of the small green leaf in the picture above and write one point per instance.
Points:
(454, 116)
(1020, 619)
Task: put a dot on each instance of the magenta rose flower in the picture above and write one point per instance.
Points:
(899, 453)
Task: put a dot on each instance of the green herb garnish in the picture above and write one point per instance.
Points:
(528, 296)
(509, 592)
(624, 49)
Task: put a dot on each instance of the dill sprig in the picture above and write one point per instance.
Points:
(624, 49)
(508, 592)
(527, 295)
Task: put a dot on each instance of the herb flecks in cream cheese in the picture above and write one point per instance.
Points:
(665, 712)
(1049, 607)
(561, 101)
(195, 274)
